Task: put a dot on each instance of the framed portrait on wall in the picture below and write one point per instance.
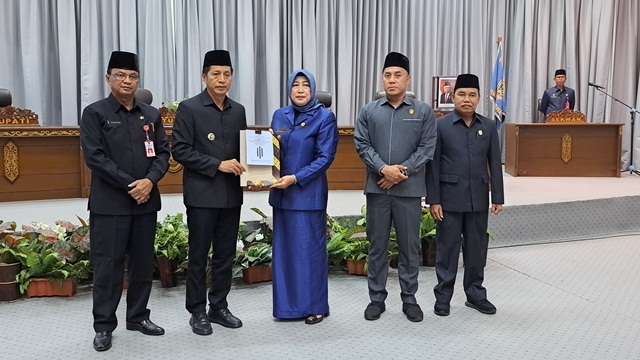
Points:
(443, 91)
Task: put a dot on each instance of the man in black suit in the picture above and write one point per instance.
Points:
(447, 96)
(206, 141)
(467, 160)
(126, 148)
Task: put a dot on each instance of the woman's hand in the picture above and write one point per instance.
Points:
(284, 182)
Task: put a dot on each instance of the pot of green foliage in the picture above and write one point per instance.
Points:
(255, 262)
(254, 251)
(9, 264)
(171, 247)
(348, 243)
(428, 238)
(41, 262)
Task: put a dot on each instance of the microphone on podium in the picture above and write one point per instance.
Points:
(596, 86)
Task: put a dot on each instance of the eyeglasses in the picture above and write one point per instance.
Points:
(121, 77)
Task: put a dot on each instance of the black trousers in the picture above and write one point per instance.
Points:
(114, 239)
(473, 228)
(218, 228)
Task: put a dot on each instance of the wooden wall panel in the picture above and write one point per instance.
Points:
(347, 171)
(537, 149)
(47, 163)
(51, 165)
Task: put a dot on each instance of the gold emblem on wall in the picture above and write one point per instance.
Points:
(566, 148)
(11, 170)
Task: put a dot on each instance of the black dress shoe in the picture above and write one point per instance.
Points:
(102, 341)
(441, 308)
(146, 327)
(484, 306)
(413, 312)
(224, 317)
(200, 324)
(374, 310)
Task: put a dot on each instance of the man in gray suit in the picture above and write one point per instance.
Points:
(394, 136)
(466, 161)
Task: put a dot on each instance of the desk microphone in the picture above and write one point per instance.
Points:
(596, 86)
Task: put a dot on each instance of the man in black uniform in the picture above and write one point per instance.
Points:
(126, 148)
(466, 161)
(206, 141)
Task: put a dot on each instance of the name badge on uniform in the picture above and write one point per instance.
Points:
(149, 149)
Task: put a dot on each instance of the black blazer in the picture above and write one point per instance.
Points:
(203, 137)
(458, 177)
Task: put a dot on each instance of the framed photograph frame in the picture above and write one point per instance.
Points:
(443, 92)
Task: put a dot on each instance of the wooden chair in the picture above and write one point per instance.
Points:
(565, 116)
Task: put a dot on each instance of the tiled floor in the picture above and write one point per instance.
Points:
(570, 300)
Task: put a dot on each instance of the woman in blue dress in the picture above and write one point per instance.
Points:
(308, 134)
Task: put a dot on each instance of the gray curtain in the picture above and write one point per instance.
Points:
(56, 51)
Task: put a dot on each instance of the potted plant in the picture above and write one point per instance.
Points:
(348, 243)
(171, 247)
(254, 250)
(53, 259)
(255, 262)
(45, 273)
(9, 264)
(428, 238)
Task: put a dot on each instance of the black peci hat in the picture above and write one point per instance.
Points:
(396, 59)
(560, 72)
(467, 81)
(123, 60)
(217, 57)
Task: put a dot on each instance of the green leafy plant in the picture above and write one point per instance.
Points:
(346, 239)
(55, 253)
(254, 255)
(254, 247)
(40, 260)
(8, 242)
(427, 225)
(171, 105)
(172, 238)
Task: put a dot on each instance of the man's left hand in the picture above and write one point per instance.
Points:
(385, 183)
(496, 208)
(140, 190)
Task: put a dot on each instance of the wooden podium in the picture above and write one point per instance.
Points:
(563, 149)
